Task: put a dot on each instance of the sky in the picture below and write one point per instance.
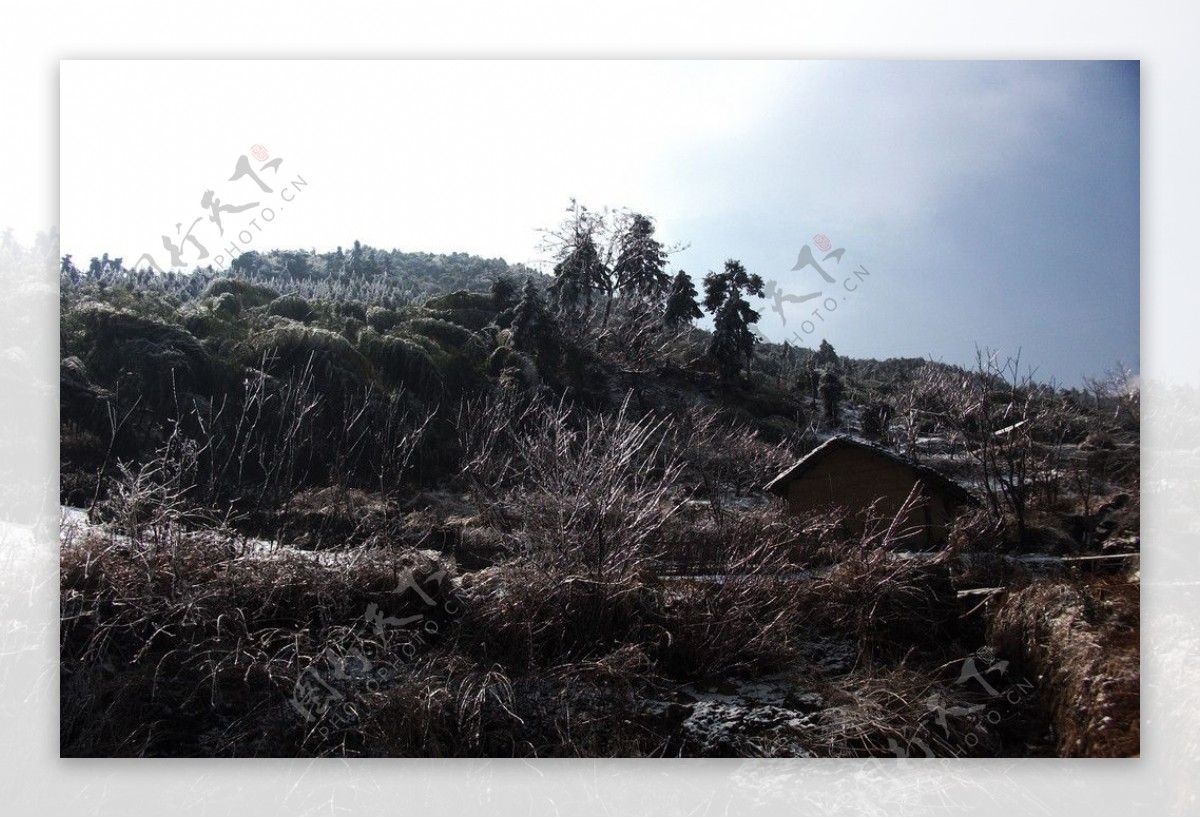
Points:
(975, 203)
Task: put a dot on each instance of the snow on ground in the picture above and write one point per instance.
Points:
(769, 716)
(74, 523)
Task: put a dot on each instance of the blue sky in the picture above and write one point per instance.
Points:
(993, 203)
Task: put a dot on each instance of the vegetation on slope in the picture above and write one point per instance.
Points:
(522, 515)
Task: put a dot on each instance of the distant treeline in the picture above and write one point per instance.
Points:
(388, 278)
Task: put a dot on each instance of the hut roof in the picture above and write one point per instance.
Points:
(926, 474)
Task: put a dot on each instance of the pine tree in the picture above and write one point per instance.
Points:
(576, 276)
(785, 359)
(641, 261)
(534, 329)
(875, 420)
(682, 307)
(718, 286)
(831, 393)
(504, 300)
(732, 342)
(504, 293)
(825, 355)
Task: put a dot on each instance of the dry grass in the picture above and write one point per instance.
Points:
(523, 616)
(187, 645)
(885, 713)
(890, 602)
(442, 706)
(745, 618)
(184, 642)
(1080, 641)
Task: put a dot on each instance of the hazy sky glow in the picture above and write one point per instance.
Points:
(992, 203)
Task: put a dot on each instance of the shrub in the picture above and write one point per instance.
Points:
(462, 300)
(448, 335)
(593, 490)
(291, 306)
(523, 615)
(196, 647)
(745, 618)
(381, 319)
(247, 294)
(400, 362)
(149, 358)
(889, 602)
(337, 368)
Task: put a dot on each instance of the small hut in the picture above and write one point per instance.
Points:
(847, 473)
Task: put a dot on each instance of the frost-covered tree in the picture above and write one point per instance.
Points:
(575, 278)
(581, 267)
(733, 279)
(831, 388)
(640, 269)
(682, 307)
(606, 255)
(825, 355)
(534, 329)
(732, 342)
(504, 293)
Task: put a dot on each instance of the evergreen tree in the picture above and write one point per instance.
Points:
(785, 360)
(811, 381)
(576, 275)
(732, 342)
(68, 269)
(641, 261)
(825, 355)
(875, 420)
(734, 279)
(831, 393)
(504, 293)
(534, 329)
(682, 307)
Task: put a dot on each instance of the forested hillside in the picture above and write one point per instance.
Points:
(468, 509)
(362, 274)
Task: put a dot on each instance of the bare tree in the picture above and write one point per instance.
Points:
(592, 491)
(996, 408)
(1118, 391)
(920, 402)
(728, 457)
